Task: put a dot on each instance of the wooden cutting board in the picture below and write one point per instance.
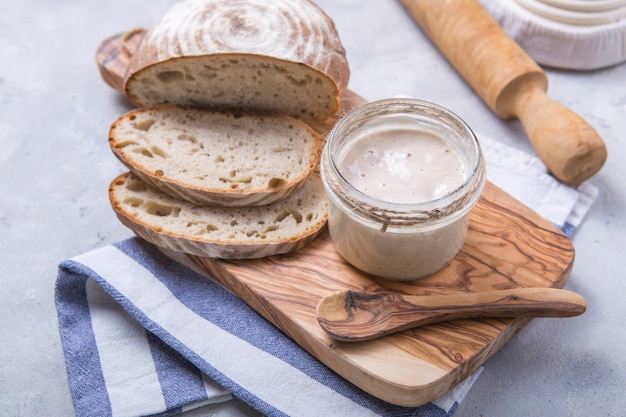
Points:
(508, 246)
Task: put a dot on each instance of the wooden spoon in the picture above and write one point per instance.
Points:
(353, 316)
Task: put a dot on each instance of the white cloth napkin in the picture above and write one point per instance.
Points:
(145, 335)
(562, 45)
(525, 177)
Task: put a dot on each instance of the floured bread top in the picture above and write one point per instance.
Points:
(216, 158)
(264, 55)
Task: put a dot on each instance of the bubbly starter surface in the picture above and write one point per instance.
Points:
(402, 166)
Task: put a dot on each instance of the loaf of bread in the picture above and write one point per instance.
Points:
(227, 233)
(216, 158)
(281, 56)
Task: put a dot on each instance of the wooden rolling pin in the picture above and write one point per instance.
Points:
(511, 84)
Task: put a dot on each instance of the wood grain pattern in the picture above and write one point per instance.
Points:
(508, 246)
(511, 84)
(113, 56)
(355, 316)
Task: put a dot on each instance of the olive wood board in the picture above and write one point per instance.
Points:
(508, 246)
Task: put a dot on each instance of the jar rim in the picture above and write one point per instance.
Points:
(451, 203)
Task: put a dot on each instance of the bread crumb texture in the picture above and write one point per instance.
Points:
(141, 206)
(239, 83)
(214, 151)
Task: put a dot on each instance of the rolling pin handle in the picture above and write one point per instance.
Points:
(568, 145)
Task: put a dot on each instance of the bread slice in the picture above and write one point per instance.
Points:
(282, 56)
(214, 158)
(218, 232)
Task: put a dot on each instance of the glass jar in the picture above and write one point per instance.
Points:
(402, 176)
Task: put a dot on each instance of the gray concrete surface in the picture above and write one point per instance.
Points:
(55, 167)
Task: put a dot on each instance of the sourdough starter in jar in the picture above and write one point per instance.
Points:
(402, 166)
(401, 187)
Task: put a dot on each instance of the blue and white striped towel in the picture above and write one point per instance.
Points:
(145, 335)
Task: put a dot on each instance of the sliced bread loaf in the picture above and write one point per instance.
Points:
(281, 56)
(217, 232)
(214, 158)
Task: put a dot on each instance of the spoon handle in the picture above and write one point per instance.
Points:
(357, 316)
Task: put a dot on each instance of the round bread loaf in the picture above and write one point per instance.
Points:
(220, 232)
(281, 56)
(216, 158)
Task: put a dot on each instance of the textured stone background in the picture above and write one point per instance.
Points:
(55, 167)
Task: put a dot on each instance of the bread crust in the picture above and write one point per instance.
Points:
(294, 39)
(137, 206)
